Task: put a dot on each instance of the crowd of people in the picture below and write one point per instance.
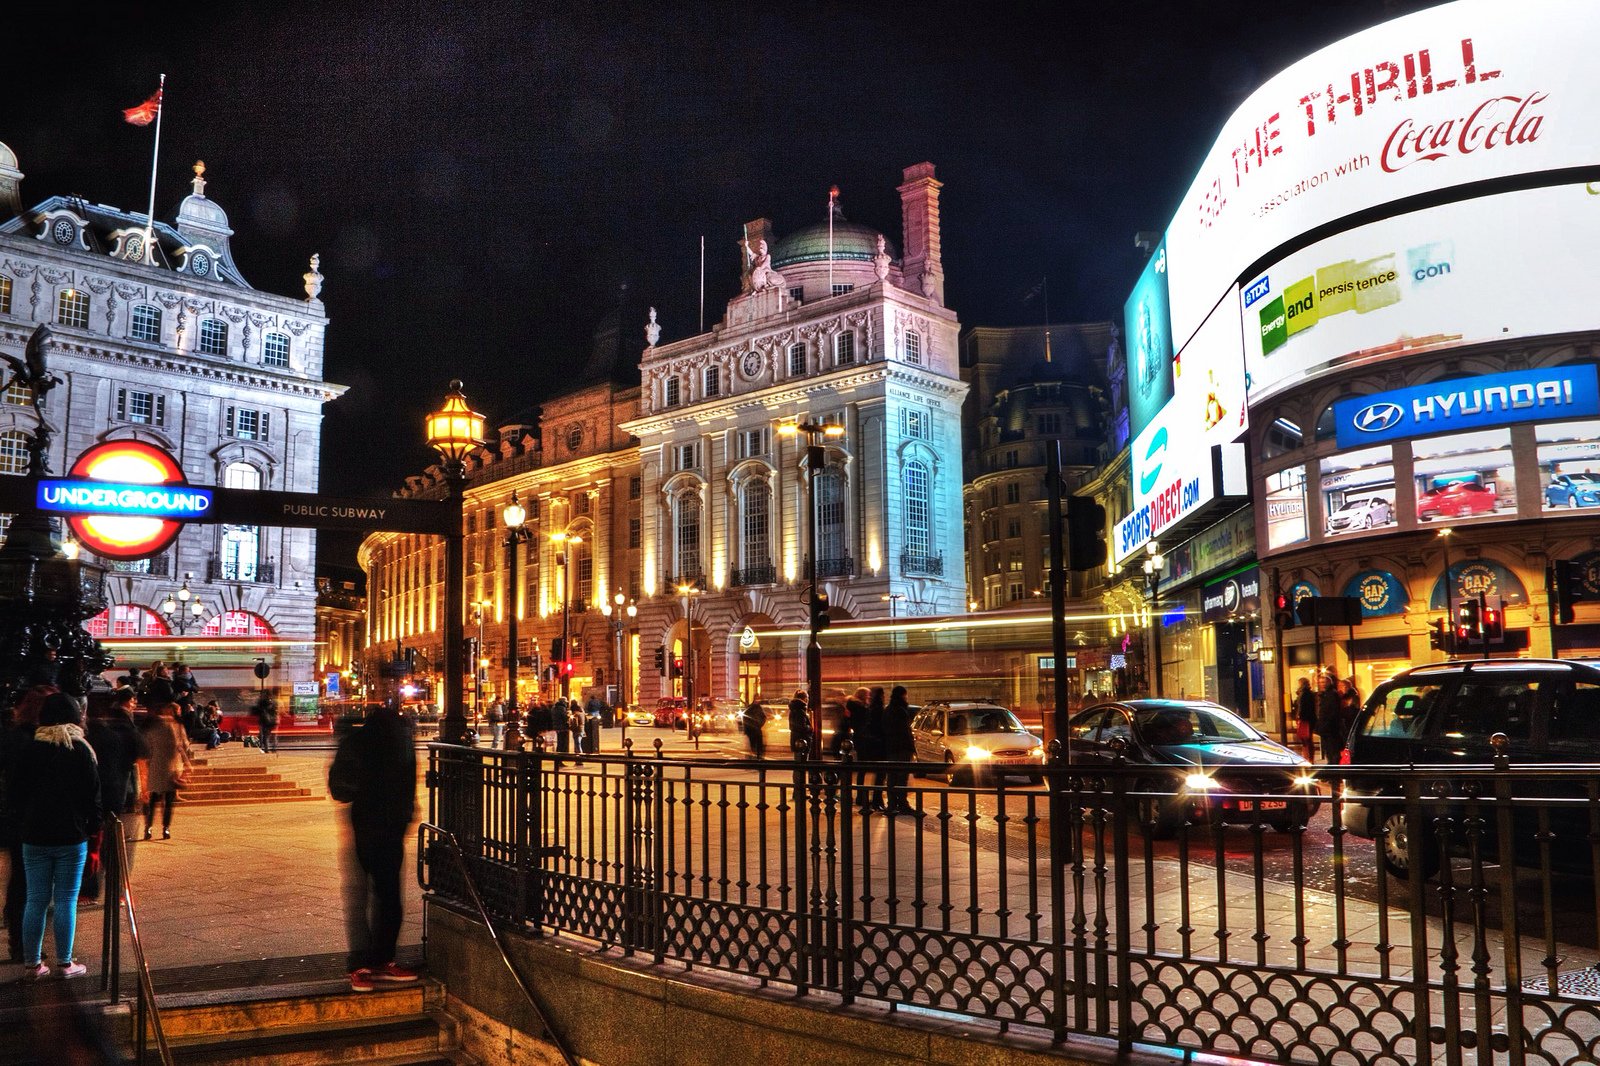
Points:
(568, 724)
(1326, 714)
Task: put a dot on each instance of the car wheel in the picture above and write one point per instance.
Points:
(1572, 499)
(954, 774)
(1154, 812)
(1394, 844)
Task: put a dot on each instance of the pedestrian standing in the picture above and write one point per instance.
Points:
(53, 790)
(497, 724)
(800, 736)
(119, 747)
(559, 713)
(267, 719)
(169, 761)
(1328, 721)
(867, 714)
(898, 746)
(16, 736)
(755, 722)
(1349, 707)
(575, 726)
(375, 772)
(1305, 717)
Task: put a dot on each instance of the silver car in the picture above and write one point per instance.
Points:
(974, 741)
(1361, 514)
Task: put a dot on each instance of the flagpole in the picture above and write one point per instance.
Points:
(702, 283)
(155, 156)
(1047, 318)
(833, 195)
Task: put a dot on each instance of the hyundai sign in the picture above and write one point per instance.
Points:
(1468, 403)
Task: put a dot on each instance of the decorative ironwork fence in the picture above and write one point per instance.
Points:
(1052, 907)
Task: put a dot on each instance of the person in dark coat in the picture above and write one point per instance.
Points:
(375, 772)
(1305, 716)
(118, 748)
(898, 746)
(755, 722)
(1328, 719)
(799, 724)
(867, 719)
(53, 791)
(17, 735)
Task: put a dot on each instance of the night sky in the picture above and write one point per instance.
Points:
(482, 178)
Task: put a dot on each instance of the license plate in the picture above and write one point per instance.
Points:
(1271, 805)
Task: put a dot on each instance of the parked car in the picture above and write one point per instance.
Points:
(640, 716)
(1463, 499)
(1446, 714)
(1361, 514)
(971, 742)
(1574, 490)
(669, 713)
(1206, 764)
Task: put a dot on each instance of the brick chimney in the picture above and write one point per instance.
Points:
(919, 221)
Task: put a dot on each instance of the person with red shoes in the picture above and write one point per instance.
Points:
(375, 772)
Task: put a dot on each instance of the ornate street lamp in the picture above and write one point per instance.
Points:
(816, 433)
(515, 517)
(623, 613)
(1154, 563)
(568, 543)
(454, 431)
(688, 593)
(183, 608)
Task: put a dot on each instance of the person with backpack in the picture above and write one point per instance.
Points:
(755, 723)
(118, 747)
(267, 717)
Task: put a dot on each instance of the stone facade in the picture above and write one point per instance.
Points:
(170, 344)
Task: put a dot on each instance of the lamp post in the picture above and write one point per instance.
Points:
(453, 431)
(517, 532)
(893, 598)
(689, 592)
(568, 543)
(624, 612)
(816, 461)
(479, 662)
(183, 608)
(1449, 595)
(1153, 564)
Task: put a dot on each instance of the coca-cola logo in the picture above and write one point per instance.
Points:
(1498, 122)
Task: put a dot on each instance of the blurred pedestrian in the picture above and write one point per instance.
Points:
(169, 761)
(800, 735)
(375, 772)
(898, 746)
(575, 726)
(1328, 720)
(53, 789)
(867, 723)
(118, 749)
(1305, 717)
(267, 720)
(497, 723)
(560, 714)
(1349, 708)
(755, 722)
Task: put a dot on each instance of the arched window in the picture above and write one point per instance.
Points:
(913, 347)
(146, 324)
(1282, 436)
(687, 541)
(585, 571)
(831, 542)
(127, 620)
(755, 511)
(5, 295)
(213, 337)
(237, 624)
(918, 531)
(1326, 428)
(275, 350)
(72, 309)
(241, 545)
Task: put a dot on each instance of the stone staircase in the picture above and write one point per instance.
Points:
(219, 781)
(318, 1023)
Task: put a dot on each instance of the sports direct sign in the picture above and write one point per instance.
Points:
(1460, 93)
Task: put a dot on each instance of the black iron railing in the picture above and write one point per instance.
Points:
(839, 566)
(762, 574)
(913, 563)
(263, 573)
(1059, 908)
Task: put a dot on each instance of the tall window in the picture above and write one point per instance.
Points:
(713, 381)
(585, 587)
(145, 408)
(755, 517)
(213, 337)
(246, 423)
(5, 295)
(146, 324)
(275, 350)
(797, 360)
(830, 514)
(688, 539)
(72, 308)
(241, 545)
(918, 514)
(844, 349)
(17, 394)
(633, 532)
(917, 424)
(13, 452)
(672, 396)
(913, 348)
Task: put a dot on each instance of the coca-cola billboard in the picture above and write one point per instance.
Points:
(1439, 100)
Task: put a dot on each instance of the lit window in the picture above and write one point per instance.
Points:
(72, 309)
(672, 392)
(688, 540)
(5, 295)
(713, 381)
(244, 423)
(18, 395)
(275, 350)
(146, 324)
(797, 360)
(213, 337)
(237, 624)
(755, 509)
(913, 348)
(918, 512)
(844, 349)
(13, 452)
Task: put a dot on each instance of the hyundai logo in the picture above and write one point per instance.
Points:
(1377, 417)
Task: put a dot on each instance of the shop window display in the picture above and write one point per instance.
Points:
(1465, 476)
(1569, 465)
(1358, 491)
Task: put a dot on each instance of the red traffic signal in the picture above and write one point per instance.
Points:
(566, 667)
(1494, 623)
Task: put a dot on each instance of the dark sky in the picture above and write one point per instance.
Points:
(481, 177)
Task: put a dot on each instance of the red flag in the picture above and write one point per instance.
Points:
(145, 113)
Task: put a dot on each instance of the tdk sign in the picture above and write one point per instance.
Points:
(1257, 290)
(1468, 403)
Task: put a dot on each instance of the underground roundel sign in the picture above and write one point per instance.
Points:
(124, 499)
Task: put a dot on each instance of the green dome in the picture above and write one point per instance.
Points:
(851, 241)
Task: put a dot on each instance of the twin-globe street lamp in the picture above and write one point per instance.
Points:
(624, 612)
(517, 533)
(1154, 563)
(183, 608)
(816, 462)
(454, 431)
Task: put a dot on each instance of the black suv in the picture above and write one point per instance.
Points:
(1445, 714)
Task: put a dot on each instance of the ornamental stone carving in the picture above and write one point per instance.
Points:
(880, 261)
(313, 279)
(652, 330)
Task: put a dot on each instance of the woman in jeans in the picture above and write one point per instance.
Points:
(169, 758)
(53, 788)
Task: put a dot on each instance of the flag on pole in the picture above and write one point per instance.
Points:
(145, 113)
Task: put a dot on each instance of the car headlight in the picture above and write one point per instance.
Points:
(1199, 782)
(977, 754)
(1305, 781)
(1037, 753)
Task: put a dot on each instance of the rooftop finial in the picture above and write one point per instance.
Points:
(313, 279)
(199, 177)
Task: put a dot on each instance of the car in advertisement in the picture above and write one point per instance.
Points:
(1573, 490)
(1364, 513)
(1460, 499)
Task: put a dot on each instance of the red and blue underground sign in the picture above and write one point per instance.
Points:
(124, 499)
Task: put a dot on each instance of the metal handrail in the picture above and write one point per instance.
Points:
(477, 902)
(146, 1009)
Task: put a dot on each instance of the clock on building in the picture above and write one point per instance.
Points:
(200, 264)
(63, 232)
(751, 363)
(134, 249)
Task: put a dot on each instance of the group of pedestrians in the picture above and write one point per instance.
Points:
(1327, 714)
(879, 730)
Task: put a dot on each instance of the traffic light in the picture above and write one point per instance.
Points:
(1284, 611)
(1439, 635)
(661, 659)
(1566, 585)
(1469, 623)
(1494, 624)
(819, 612)
(1086, 534)
(677, 666)
(567, 667)
(558, 649)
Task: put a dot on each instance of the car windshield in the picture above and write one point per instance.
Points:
(1584, 480)
(1354, 505)
(1162, 726)
(984, 720)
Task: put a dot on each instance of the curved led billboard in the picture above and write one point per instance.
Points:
(1461, 93)
(1494, 268)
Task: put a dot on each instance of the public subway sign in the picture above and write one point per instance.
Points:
(1468, 403)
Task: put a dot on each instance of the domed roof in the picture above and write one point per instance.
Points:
(198, 209)
(8, 158)
(851, 241)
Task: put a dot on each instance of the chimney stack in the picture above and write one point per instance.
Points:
(919, 220)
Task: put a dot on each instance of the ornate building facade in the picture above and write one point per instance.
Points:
(169, 344)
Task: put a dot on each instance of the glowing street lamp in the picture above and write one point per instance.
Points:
(183, 608)
(454, 430)
(816, 434)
